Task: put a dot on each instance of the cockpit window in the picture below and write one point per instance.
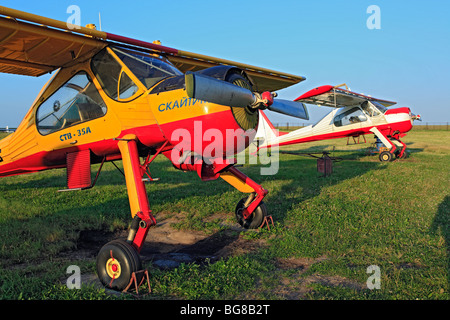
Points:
(148, 69)
(74, 102)
(351, 116)
(127, 88)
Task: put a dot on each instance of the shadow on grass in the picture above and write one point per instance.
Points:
(302, 172)
(442, 221)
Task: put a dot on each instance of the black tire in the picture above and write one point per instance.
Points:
(385, 156)
(404, 156)
(255, 220)
(116, 262)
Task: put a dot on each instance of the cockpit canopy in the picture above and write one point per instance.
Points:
(123, 75)
(117, 82)
(367, 109)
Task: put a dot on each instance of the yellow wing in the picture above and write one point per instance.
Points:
(34, 45)
(264, 79)
(33, 50)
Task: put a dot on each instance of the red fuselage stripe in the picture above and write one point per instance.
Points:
(403, 126)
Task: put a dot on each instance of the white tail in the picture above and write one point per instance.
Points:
(266, 131)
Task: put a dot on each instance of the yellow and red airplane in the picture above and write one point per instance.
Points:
(113, 97)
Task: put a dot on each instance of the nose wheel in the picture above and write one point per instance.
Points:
(116, 263)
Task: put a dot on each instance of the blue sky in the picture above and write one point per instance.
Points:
(328, 42)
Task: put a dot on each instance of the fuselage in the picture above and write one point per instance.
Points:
(91, 106)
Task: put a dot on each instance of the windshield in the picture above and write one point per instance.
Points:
(370, 109)
(148, 69)
(379, 106)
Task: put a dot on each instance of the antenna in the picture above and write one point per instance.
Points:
(100, 21)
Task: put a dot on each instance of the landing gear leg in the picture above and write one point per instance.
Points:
(401, 154)
(118, 260)
(251, 212)
(385, 155)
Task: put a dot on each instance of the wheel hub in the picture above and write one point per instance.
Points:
(113, 268)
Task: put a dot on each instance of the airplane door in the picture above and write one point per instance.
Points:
(352, 118)
(73, 115)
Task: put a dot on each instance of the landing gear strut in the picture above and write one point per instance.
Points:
(394, 147)
(251, 212)
(118, 261)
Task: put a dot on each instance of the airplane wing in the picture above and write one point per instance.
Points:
(333, 96)
(264, 79)
(34, 45)
(34, 50)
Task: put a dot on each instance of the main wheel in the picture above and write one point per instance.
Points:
(385, 156)
(255, 220)
(116, 262)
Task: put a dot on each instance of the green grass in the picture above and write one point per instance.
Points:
(393, 215)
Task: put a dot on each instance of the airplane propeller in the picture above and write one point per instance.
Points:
(225, 93)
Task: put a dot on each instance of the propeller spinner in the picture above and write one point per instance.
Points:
(221, 92)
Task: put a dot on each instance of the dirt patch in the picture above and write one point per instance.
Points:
(301, 263)
(167, 247)
(297, 286)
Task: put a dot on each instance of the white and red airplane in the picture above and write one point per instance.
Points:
(354, 115)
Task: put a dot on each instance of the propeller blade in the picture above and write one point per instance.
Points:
(290, 108)
(221, 92)
(217, 91)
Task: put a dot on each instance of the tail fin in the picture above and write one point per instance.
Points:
(266, 134)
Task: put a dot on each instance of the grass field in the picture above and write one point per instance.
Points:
(327, 232)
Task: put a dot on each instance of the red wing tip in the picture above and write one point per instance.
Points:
(315, 92)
